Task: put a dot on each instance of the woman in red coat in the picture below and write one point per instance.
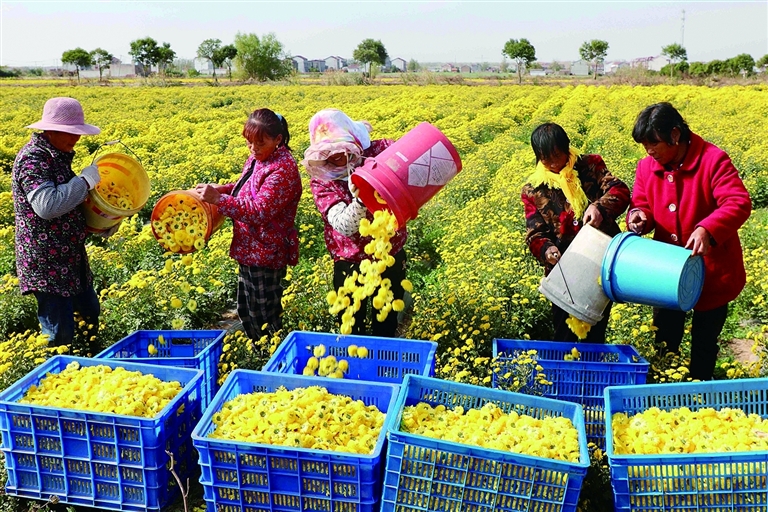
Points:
(689, 193)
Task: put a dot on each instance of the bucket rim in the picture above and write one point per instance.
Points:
(609, 258)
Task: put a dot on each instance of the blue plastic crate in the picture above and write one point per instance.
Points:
(733, 482)
(260, 477)
(101, 460)
(184, 349)
(582, 381)
(389, 359)
(425, 474)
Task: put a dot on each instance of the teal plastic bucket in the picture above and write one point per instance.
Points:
(644, 271)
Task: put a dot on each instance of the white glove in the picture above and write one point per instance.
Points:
(353, 188)
(91, 175)
(108, 233)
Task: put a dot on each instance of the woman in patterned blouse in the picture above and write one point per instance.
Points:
(566, 191)
(262, 205)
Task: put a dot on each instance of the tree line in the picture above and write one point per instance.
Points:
(523, 53)
(264, 58)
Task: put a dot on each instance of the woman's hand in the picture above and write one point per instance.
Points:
(637, 221)
(552, 255)
(592, 216)
(207, 192)
(699, 242)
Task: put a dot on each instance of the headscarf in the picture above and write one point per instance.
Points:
(331, 131)
(566, 180)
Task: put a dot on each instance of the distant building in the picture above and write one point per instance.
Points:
(334, 62)
(538, 72)
(466, 68)
(354, 68)
(580, 68)
(316, 65)
(399, 64)
(651, 63)
(300, 64)
(614, 66)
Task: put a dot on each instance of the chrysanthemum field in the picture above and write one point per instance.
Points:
(473, 277)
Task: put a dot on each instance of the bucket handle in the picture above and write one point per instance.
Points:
(112, 143)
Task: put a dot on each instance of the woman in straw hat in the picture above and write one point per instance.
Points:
(51, 261)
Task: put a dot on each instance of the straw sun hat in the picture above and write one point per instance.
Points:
(65, 115)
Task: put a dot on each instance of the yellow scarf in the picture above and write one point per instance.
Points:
(567, 181)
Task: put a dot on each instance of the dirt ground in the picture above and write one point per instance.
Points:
(742, 350)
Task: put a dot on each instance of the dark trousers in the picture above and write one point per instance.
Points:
(564, 333)
(57, 316)
(395, 273)
(259, 300)
(705, 330)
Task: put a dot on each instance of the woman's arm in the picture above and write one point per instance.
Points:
(47, 199)
(538, 234)
(614, 197)
(733, 202)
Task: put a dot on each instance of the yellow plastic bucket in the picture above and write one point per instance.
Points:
(122, 192)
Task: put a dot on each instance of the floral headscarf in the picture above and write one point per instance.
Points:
(331, 131)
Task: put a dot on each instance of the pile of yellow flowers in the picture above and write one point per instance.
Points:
(358, 287)
(181, 226)
(115, 194)
(681, 430)
(103, 389)
(490, 427)
(579, 327)
(302, 418)
(328, 366)
(574, 355)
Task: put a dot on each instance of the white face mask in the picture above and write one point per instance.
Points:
(322, 170)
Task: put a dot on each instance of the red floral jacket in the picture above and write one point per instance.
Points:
(549, 218)
(264, 212)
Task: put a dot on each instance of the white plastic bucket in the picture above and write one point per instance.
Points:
(574, 282)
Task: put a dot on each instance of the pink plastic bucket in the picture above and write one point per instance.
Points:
(406, 175)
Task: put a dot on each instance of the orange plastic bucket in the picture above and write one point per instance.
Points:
(182, 223)
(122, 192)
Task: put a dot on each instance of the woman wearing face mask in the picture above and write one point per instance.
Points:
(337, 146)
(566, 191)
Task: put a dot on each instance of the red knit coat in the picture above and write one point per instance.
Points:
(705, 191)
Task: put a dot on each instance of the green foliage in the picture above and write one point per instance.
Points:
(207, 50)
(165, 57)
(594, 51)
(79, 57)
(522, 52)
(762, 62)
(19, 311)
(697, 69)
(741, 64)
(8, 73)
(145, 52)
(413, 66)
(370, 52)
(102, 59)
(225, 55)
(261, 59)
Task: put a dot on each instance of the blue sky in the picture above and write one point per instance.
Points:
(37, 32)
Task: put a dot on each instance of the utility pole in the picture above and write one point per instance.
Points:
(682, 31)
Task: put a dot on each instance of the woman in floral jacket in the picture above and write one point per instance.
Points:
(566, 191)
(262, 205)
(51, 260)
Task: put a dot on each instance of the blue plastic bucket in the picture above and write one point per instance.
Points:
(644, 271)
